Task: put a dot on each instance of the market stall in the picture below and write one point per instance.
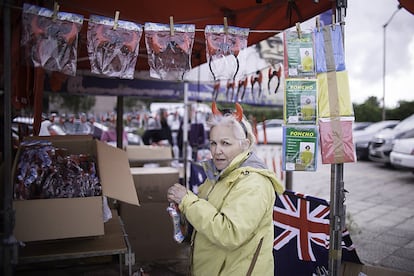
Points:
(262, 19)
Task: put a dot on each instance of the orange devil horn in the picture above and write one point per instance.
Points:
(279, 72)
(214, 109)
(239, 112)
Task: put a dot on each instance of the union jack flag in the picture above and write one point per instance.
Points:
(301, 245)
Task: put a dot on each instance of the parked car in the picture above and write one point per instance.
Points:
(362, 137)
(133, 138)
(20, 128)
(381, 144)
(360, 125)
(273, 129)
(402, 154)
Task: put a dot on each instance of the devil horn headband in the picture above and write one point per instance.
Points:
(238, 114)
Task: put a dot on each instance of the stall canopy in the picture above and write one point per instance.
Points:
(408, 5)
(259, 16)
(264, 18)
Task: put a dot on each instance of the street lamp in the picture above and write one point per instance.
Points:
(384, 61)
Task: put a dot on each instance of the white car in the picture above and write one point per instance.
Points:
(380, 145)
(402, 154)
(362, 137)
(273, 130)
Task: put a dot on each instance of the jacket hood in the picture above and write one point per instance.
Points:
(246, 161)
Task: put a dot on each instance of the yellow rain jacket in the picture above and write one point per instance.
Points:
(232, 213)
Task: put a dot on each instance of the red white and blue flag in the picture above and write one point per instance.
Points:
(301, 245)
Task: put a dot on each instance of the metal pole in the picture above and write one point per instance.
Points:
(337, 210)
(288, 180)
(185, 135)
(8, 243)
(337, 219)
(384, 61)
(119, 122)
(383, 73)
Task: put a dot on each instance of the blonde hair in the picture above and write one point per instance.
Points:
(242, 130)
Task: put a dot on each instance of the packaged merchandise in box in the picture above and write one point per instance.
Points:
(45, 171)
(52, 212)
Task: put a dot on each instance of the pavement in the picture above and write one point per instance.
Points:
(379, 210)
(379, 215)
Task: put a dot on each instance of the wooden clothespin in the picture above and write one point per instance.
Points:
(116, 19)
(55, 11)
(318, 24)
(226, 26)
(333, 21)
(298, 30)
(171, 25)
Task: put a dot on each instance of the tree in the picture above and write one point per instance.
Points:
(403, 110)
(369, 111)
(75, 103)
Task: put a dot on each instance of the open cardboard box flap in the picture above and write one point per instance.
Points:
(116, 178)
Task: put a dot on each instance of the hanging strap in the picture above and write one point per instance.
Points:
(256, 254)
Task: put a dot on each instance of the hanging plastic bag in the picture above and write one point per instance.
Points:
(222, 49)
(336, 140)
(51, 39)
(169, 51)
(328, 44)
(334, 97)
(113, 48)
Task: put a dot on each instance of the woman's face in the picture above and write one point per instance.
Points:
(224, 146)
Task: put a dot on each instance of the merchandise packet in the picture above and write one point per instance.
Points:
(223, 45)
(169, 51)
(113, 48)
(336, 140)
(51, 39)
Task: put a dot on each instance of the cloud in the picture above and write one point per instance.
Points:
(364, 50)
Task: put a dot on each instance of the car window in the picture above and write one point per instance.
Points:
(381, 125)
(407, 123)
(407, 134)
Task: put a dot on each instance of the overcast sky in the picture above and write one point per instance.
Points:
(364, 49)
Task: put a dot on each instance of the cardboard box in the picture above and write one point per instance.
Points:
(138, 156)
(150, 233)
(48, 219)
(152, 183)
(149, 227)
(352, 269)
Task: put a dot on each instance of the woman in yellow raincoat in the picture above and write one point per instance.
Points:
(232, 214)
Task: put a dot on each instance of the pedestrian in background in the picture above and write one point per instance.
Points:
(158, 133)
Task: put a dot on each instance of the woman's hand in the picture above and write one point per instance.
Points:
(176, 193)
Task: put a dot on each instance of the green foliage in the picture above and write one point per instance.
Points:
(133, 104)
(371, 111)
(76, 103)
(403, 110)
